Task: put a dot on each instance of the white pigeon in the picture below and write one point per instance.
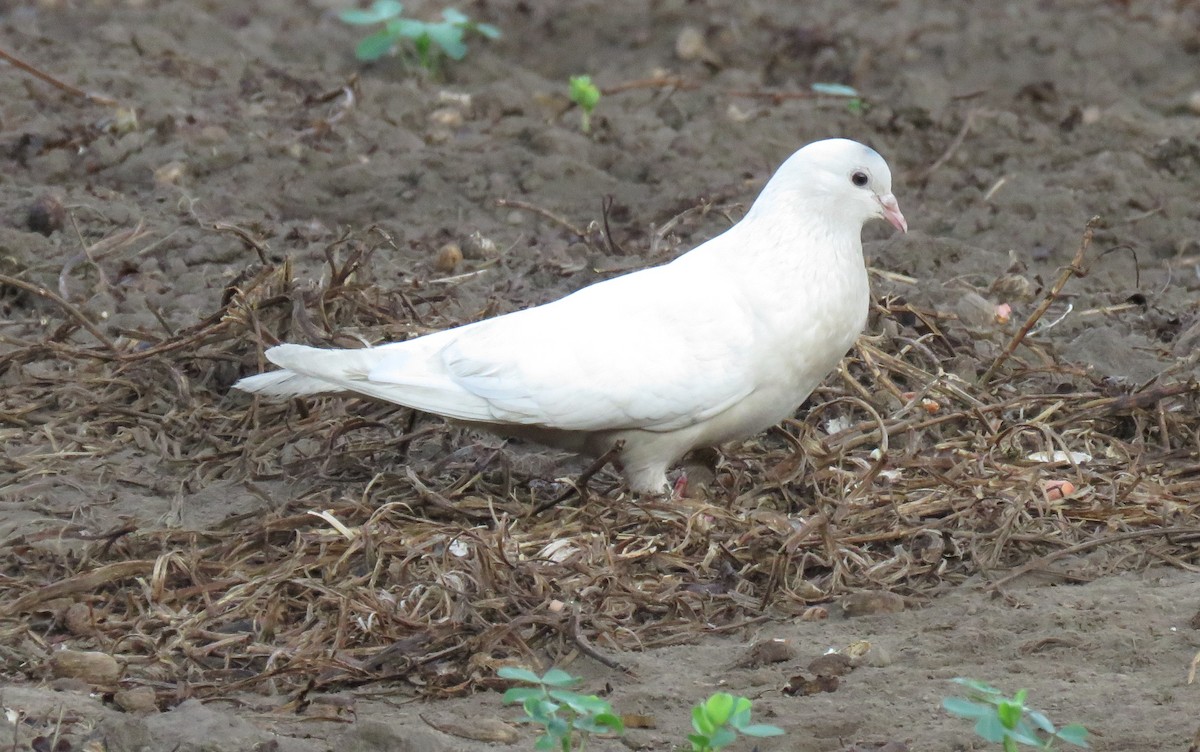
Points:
(719, 344)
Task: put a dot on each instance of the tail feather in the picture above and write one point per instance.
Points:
(415, 383)
(283, 384)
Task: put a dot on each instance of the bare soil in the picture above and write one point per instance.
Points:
(270, 187)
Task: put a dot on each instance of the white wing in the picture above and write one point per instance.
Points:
(657, 350)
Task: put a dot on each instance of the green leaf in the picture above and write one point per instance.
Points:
(761, 730)
(978, 686)
(449, 38)
(406, 28)
(718, 708)
(454, 16)
(374, 47)
(1025, 734)
(584, 93)
(545, 743)
(723, 737)
(1040, 720)
(611, 721)
(1074, 734)
(1009, 713)
(581, 704)
(487, 30)
(381, 10)
(990, 729)
(699, 742)
(520, 694)
(737, 720)
(540, 709)
(835, 90)
(556, 677)
(558, 727)
(701, 722)
(967, 709)
(516, 673)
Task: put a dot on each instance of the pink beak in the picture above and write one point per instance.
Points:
(891, 212)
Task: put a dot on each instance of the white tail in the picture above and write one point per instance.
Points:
(283, 384)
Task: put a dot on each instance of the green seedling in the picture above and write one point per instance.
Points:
(567, 718)
(585, 94)
(427, 41)
(854, 101)
(1007, 721)
(719, 719)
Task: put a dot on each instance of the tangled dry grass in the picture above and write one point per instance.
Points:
(374, 563)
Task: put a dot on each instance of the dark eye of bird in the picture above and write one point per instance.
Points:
(860, 179)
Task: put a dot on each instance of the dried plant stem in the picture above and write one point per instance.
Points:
(1075, 269)
(71, 310)
(17, 62)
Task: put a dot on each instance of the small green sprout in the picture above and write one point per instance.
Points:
(1008, 721)
(585, 94)
(719, 719)
(581, 715)
(429, 40)
(854, 101)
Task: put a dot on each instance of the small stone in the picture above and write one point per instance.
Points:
(447, 117)
(767, 651)
(212, 135)
(476, 246)
(78, 619)
(872, 602)
(815, 613)
(169, 174)
(139, 700)
(97, 669)
(1013, 287)
(831, 664)
(691, 45)
(46, 214)
(1194, 102)
(448, 258)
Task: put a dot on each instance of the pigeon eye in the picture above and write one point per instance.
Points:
(860, 178)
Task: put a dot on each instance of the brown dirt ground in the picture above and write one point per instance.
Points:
(144, 509)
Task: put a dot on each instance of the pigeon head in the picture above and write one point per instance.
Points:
(846, 182)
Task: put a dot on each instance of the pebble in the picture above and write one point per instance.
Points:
(872, 602)
(46, 214)
(448, 258)
(97, 669)
(1194, 102)
(139, 700)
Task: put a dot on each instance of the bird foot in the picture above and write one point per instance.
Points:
(679, 488)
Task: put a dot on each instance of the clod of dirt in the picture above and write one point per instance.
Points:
(888, 746)
(46, 214)
(802, 686)
(872, 602)
(815, 613)
(476, 246)
(1013, 287)
(480, 729)
(766, 651)
(448, 258)
(831, 664)
(97, 669)
(691, 45)
(78, 619)
(373, 735)
(137, 700)
(446, 117)
(169, 174)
